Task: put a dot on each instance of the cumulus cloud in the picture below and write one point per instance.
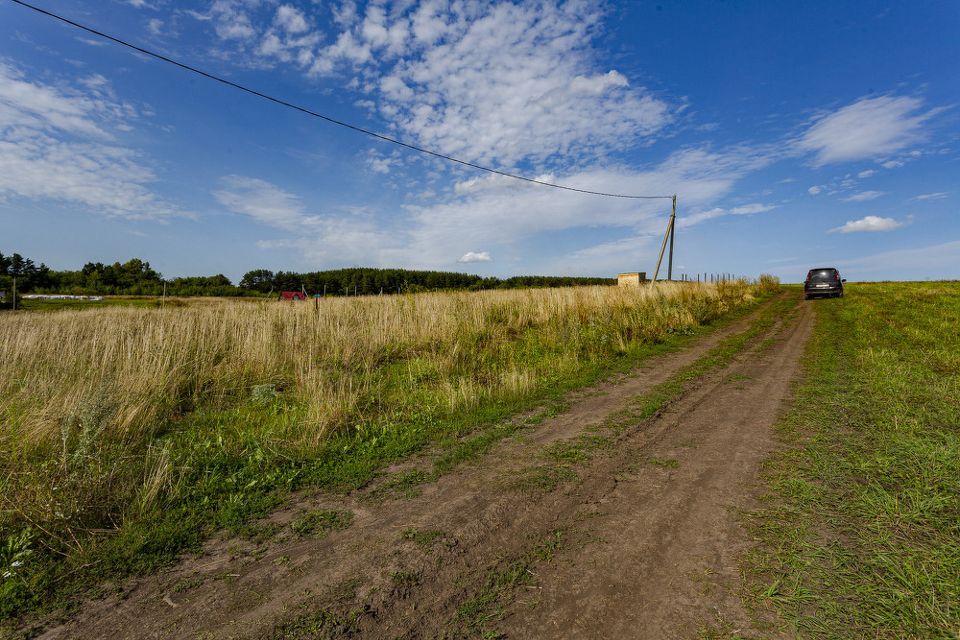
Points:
(868, 128)
(866, 173)
(231, 19)
(868, 223)
(290, 19)
(60, 143)
(493, 83)
(476, 256)
(515, 83)
(814, 190)
(498, 213)
(381, 164)
(864, 196)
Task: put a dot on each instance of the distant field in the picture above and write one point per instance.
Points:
(63, 305)
(861, 532)
(132, 432)
(141, 302)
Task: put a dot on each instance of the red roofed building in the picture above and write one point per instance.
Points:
(292, 295)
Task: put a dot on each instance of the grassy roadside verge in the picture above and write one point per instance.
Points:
(231, 465)
(860, 533)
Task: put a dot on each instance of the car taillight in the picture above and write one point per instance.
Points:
(838, 276)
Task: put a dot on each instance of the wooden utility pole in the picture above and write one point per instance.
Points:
(14, 293)
(666, 236)
(673, 226)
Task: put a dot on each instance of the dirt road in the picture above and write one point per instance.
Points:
(597, 523)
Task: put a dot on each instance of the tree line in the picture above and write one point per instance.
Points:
(134, 277)
(137, 277)
(369, 281)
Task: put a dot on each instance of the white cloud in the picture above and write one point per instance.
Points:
(864, 196)
(288, 38)
(618, 248)
(476, 256)
(321, 239)
(58, 143)
(866, 173)
(931, 196)
(631, 253)
(867, 128)
(750, 209)
(814, 190)
(93, 42)
(47, 108)
(381, 164)
(290, 19)
(231, 20)
(892, 164)
(516, 83)
(155, 26)
(716, 212)
(499, 214)
(497, 83)
(868, 223)
(263, 201)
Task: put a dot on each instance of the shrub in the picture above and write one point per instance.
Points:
(767, 284)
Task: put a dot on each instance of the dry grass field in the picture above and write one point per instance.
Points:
(130, 433)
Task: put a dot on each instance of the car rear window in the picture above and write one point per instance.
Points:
(822, 274)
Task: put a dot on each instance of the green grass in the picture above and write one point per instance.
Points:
(318, 524)
(487, 606)
(113, 301)
(405, 579)
(320, 624)
(423, 538)
(666, 463)
(861, 530)
(233, 468)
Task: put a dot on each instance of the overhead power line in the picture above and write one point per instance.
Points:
(310, 112)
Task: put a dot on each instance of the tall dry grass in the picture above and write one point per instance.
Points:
(87, 396)
(118, 372)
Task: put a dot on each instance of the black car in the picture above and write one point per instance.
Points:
(823, 281)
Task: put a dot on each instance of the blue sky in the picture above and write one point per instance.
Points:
(795, 135)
